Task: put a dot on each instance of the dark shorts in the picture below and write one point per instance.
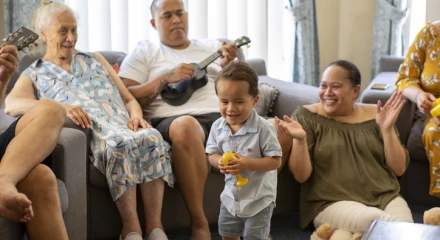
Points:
(6, 137)
(205, 120)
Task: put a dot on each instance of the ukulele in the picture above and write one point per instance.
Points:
(21, 38)
(179, 92)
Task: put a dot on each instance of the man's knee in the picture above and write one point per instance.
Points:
(186, 128)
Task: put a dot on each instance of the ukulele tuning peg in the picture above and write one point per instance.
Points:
(35, 44)
(30, 48)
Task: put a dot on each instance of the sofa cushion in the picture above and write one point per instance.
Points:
(96, 178)
(292, 95)
(64, 197)
(268, 95)
(113, 57)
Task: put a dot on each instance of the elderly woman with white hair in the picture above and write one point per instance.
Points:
(123, 145)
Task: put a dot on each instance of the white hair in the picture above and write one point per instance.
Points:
(42, 20)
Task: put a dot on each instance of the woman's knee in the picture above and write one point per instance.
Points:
(185, 128)
(51, 111)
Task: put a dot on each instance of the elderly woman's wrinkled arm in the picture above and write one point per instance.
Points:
(131, 104)
(21, 98)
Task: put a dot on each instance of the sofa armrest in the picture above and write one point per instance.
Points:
(70, 165)
(292, 95)
(390, 63)
(258, 65)
(405, 120)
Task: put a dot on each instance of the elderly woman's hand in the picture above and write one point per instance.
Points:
(78, 115)
(386, 116)
(291, 128)
(135, 122)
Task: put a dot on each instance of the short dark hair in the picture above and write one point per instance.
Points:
(239, 71)
(153, 7)
(352, 71)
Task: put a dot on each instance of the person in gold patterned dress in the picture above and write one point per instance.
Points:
(419, 79)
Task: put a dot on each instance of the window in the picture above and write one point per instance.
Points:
(417, 18)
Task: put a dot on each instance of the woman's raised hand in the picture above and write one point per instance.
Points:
(78, 115)
(135, 122)
(386, 116)
(290, 127)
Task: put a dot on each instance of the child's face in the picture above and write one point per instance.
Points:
(235, 102)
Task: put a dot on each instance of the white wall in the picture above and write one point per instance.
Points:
(432, 10)
(345, 29)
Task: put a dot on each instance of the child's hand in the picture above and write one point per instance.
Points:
(221, 166)
(238, 165)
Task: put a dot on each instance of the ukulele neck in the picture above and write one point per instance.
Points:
(203, 64)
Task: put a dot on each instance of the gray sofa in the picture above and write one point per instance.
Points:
(415, 182)
(101, 219)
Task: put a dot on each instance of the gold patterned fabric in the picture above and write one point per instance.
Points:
(421, 68)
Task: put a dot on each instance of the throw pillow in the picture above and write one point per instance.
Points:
(268, 95)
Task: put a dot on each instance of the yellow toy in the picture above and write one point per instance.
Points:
(435, 111)
(228, 156)
(432, 216)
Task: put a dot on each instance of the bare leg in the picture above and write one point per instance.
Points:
(40, 186)
(126, 205)
(285, 142)
(191, 170)
(152, 197)
(43, 121)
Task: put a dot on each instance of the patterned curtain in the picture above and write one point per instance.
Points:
(305, 48)
(388, 30)
(18, 13)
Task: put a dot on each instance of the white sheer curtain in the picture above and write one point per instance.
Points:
(119, 25)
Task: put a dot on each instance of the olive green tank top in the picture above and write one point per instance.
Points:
(348, 162)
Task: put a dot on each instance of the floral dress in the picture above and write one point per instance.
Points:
(125, 157)
(421, 69)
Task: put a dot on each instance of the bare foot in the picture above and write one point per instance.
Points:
(15, 206)
(201, 233)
